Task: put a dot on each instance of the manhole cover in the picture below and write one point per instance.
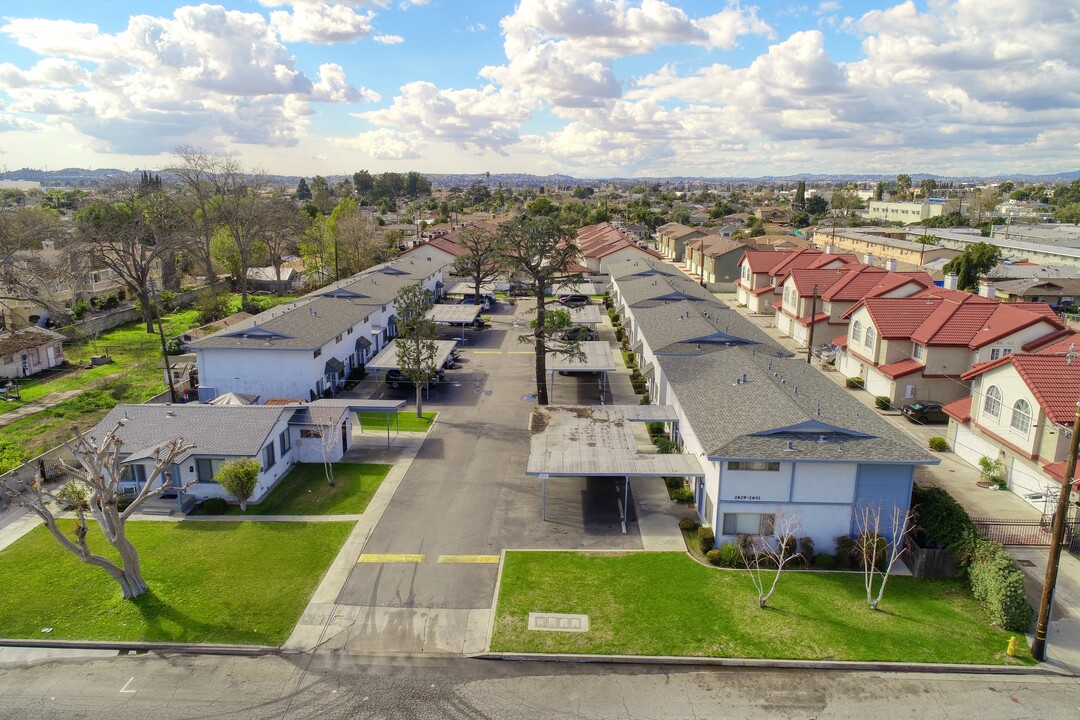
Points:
(558, 622)
(1025, 563)
(528, 398)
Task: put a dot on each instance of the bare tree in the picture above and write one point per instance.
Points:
(416, 348)
(541, 250)
(245, 214)
(766, 554)
(281, 235)
(96, 491)
(880, 547)
(483, 262)
(202, 177)
(27, 272)
(132, 234)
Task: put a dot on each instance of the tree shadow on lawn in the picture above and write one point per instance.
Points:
(165, 622)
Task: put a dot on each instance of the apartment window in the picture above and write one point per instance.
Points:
(269, 457)
(992, 402)
(918, 352)
(312, 432)
(1000, 352)
(337, 339)
(349, 331)
(317, 353)
(753, 465)
(856, 332)
(284, 442)
(1021, 417)
(871, 336)
(748, 523)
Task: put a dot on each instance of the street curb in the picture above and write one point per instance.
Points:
(943, 668)
(159, 647)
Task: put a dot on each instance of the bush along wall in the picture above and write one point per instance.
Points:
(995, 579)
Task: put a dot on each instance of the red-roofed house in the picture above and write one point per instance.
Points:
(606, 248)
(1020, 411)
(920, 346)
(760, 273)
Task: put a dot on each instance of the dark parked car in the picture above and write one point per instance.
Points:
(574, 301)
(396, 378)
(579, 333)
(924, 413)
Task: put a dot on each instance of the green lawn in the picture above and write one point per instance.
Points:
(403, 421)
(668, 604)
(219, 582)
(304, 491)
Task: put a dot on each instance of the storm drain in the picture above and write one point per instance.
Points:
(558, 622)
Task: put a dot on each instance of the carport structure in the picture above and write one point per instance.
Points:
(455, 315)
(592, 441)
(585, 315)
(387, 358)
(598, 359)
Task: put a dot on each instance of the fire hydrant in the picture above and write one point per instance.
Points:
(1011, 650)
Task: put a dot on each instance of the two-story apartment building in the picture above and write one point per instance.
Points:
(774, 436)
(715, 259)
(673, 238)
(920, 346)
(903, 212)
(761, 272)
(816, 300)
(304, 348)
(1020, 411)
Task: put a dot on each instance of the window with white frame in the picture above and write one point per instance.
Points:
(856, 332)
(997, 353)
(748, 523)
(284, 442)
(918, 352)
(992, 402)
(1021, 417)
(269, 457)
(871, 336)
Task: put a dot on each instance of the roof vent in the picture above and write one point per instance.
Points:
(796, 389)
(821, 438)
(744, 377)
(819, 408)
(790, 446)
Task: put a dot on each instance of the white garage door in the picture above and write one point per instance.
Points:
(1025, 480)
(877, 384)
(970, 447)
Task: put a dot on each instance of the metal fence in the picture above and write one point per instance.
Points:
(1030, 532)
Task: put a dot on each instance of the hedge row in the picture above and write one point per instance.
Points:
(995, 579)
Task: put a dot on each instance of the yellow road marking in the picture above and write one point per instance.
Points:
(469, 559)
(389, 558)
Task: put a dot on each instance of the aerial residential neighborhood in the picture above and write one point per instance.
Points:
(546, 358)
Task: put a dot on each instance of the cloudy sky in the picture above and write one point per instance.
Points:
(585, 87)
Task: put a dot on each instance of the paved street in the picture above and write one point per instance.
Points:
(336, 686)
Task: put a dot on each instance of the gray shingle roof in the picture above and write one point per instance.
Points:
(315, 319)
(229, 430)
(636, 291)
(705, 359)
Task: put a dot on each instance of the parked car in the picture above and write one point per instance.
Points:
(574, 301)
(579, 333)
(485, 303)
(924, 413)
(395, 378)
(826, 352)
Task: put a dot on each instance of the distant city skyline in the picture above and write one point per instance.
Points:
(589, 88)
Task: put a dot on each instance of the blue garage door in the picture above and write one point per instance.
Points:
(888, 486)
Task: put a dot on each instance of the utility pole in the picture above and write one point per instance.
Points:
(165, 353)
(701, 260)
(1057, 536)
(813, 312)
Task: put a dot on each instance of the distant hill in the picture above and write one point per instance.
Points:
(81, 177)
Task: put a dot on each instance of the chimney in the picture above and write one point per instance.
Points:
(868, 258)
(952, 281)
(890, 265)
(986, 288)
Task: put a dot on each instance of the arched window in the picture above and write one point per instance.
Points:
(1021, 417)
(871, 336)
(856, 332)
(992, 403)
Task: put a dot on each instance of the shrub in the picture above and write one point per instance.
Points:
(620, 334)
(854, 383)
(682, 494)
(688, 523)
(79, 308)
(215, 506)
(991, 470)
(871, 543)
(705, 538)
(938, 444)
(122, 502)
(645, 399)
(729, 555)
(845, 551)
(674, 482)
(825, 561)
(882, 402)
(998, 584)
(806, 549)
(654, 428)
(168, 300)
(213, 306)
(715, 557)
(665, 446)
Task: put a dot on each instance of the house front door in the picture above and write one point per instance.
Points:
(51, 353)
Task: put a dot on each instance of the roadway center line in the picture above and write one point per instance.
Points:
(390, 558)
(469, 559)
